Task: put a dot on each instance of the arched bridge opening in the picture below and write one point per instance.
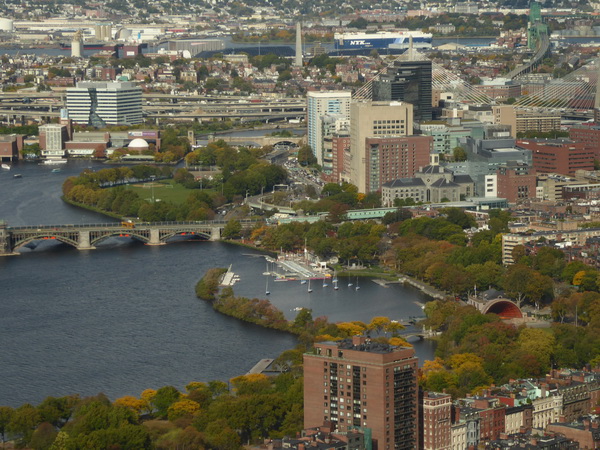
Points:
(179, 236)
(24, 242)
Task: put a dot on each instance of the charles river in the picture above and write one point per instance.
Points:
(124, 317)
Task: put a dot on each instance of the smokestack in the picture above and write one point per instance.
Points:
(298, 59)
(410, 48)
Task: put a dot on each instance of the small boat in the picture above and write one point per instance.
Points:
(357, 286)
(309, 288)
(335, 281)
(5, 166)
(53, 161)
(55, 170)
(302, 281)
(18, 175)
(324, 283)
(267, 292)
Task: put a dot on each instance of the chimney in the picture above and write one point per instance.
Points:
(358, 340)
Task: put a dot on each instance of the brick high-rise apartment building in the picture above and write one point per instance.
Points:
(436, 432)
(358, 383)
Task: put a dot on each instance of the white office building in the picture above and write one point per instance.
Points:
(319, 104)
(105, 103)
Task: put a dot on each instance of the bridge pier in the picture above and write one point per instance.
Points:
(155, 237)
(215, 234)
(84, 241)
(5, 246)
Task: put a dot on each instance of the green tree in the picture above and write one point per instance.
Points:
(6, 415)
(164, 398)
(459, 154)
(306, 156)
(232, 229)
(24, 421)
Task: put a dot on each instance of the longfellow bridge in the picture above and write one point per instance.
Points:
(86, 237)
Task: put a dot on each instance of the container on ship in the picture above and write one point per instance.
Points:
(382, 40)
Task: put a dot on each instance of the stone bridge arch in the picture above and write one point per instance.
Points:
(97, 238)
(22, 242)
(201, 234)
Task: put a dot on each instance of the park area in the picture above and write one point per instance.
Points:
(164, 191)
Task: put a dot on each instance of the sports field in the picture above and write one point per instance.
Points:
(164, 191)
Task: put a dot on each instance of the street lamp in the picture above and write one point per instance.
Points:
(152, 177)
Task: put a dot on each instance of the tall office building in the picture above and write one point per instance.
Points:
(375, 120)
(357, 383)
(318, 105)
(407, 81)
(100, 103)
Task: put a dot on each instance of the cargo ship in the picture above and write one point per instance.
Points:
(89, 45)
(397, 40)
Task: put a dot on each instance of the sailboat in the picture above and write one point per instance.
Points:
(325, 284)
(309, 288)
(357, 286)
(350, 284)
(267, 292)
(335, 281)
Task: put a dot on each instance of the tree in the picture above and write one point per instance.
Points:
(43, 437)
(515, 282)
(6, 414)
(306, 156)
(232, 229)
(23, 421)
(182, 408)
(459, 154)
(164, 398)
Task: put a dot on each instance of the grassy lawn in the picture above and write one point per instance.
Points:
(165, 190)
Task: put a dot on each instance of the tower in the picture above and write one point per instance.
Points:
(407, 81)
(358, 383)
(374, 120)
(77, 45)
(298, 59)
(320, 104)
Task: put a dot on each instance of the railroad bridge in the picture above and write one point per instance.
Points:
(86, 237)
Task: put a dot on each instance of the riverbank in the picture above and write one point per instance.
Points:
(423, 287)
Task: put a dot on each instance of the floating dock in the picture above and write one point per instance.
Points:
(229, 278)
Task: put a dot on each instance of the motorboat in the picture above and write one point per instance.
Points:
(5, 166)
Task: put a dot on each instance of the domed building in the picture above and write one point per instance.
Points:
(138, 144)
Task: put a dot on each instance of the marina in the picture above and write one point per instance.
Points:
(294, 267)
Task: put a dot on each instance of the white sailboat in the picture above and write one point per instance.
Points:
(309, 288)
(357, 286)
(267, 292)
(325, 284)
(335, 286)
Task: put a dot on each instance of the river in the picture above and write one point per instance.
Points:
(124, 317)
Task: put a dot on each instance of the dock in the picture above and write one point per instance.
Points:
(230, 278)
(260, 366)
